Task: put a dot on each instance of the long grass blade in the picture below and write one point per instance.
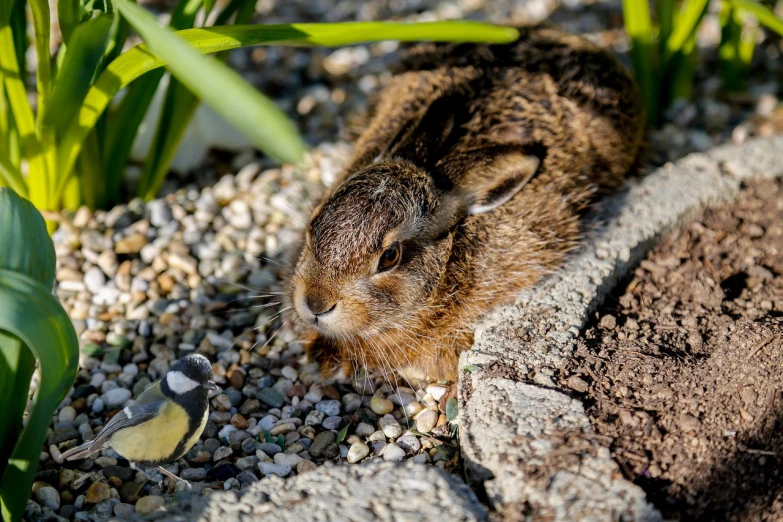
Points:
(68, 18)
(88, 44)
(765, 15)
(12, 177)
(221, 88)
(137, 61)
(16, 92)
(41, 28)
(125, 120)
(638, 25)
(685, 26)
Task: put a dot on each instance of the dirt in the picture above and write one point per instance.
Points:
(683, 368)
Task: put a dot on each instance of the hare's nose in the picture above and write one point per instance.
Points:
(319, 306)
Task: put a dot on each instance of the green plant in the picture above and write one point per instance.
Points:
(663, 48)
(33, 327)
(76, 151)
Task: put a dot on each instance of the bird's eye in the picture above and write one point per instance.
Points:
(390, 257)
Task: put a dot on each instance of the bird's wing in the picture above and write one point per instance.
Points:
(143, 409)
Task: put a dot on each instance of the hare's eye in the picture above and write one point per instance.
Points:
(390, 257)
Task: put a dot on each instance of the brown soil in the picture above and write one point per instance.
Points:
(684, 369)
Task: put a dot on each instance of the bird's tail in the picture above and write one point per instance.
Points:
(80, 452)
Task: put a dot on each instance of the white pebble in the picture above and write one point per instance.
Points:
(357, 452)
(267, 468)
(391, 428)
(393, 453)
(436, 391)
(290, 460)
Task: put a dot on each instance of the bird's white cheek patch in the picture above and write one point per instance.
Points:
(180, 383)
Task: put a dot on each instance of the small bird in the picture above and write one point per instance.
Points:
(163, 423)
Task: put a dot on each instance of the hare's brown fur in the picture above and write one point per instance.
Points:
(443, 133)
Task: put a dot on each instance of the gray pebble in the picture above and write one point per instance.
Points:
(322, 440)
(270, 448)
(193, 474)
(409, 443)
(115, 398)
(393, 453)
(314, 418)
(332, 423)
(49, 497)
(271, 397)
(329, 407)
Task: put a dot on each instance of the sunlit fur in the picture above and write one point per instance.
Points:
(443, 135)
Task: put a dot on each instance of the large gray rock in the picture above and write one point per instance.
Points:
(357, 493)
(530, 446)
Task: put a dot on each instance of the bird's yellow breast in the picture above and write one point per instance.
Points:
(156, 439)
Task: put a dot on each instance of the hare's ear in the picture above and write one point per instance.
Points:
(422, 138)
(489, 186)
(484, 187)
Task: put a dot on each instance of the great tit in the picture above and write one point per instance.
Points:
(163, 423)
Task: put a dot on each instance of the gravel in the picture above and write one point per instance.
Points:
(148, 283)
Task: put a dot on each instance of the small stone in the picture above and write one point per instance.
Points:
(67, 414)
(223, 452)
(271, 397)
(322, 440)
(116, 397)
(409, 443)
(47, 496)
(97, 492)
(390, 427)
(147, 505)
(247, 477)
(193, 474)
(426, 421)
(223, 471)
(330, 408)
(283, 459)
(268, 468)
(122, 473)
(332, 423)
(270, 448)
(351, 402)
(239, 422)
(131, 244)
(393, 453)
(124, 511)
(436, 391)
(357, 452)
(246, 462)
(364, 429)
(314, 418)
(381, 406)
(289, 373)
(250, 406)
(221, 402)
(305, 466)
(608, 322)
(577, 384)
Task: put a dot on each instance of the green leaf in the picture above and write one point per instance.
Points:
(342, 434)
(17, 364)
(179, 105)
(11, 176)
(452, 409)
(43, 76)
(27, 248)
(139, 60)
(16, 92)
(220, 87)
(30, 312)
(686, 24)
(765, 15)
(638, 25)
(88, 44)
(32, 323)
(68, 17)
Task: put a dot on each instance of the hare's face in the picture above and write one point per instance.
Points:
(368, 263)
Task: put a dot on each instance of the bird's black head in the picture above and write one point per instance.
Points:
(191, 374)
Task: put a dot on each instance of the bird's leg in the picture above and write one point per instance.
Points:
(169, 474)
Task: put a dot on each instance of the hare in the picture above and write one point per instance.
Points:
(466, 187)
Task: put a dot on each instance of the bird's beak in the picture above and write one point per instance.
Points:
(211, 386)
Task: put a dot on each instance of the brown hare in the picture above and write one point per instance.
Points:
(466, 186)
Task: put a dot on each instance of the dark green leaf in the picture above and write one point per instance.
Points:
(342, 434)
(452, 409)
(88, 43)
